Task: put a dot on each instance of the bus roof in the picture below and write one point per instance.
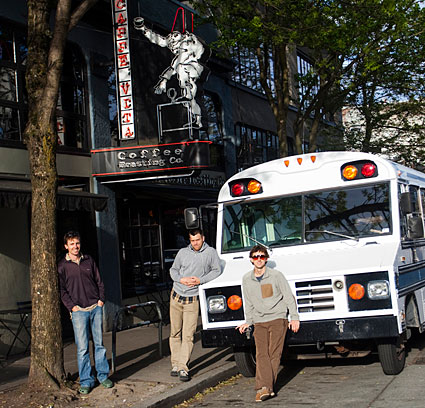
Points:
(316, 171)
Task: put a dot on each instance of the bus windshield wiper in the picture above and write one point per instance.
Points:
(252, 239)
(338, 234)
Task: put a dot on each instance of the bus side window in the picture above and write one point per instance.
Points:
(412, 213)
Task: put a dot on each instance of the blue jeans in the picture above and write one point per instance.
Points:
(82, 322)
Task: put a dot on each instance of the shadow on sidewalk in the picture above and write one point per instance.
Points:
(208, 359)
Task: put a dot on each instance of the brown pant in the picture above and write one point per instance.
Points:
(269, 339)
(183, 322)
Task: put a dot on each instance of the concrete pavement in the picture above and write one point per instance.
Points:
(142, 378)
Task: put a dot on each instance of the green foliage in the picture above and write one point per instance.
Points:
(365, 53)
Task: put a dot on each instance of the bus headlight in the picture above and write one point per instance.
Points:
(379, 289)
(216, 304)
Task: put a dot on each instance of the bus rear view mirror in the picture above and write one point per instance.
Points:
(406, 204)
(416, 228)
(191, 218)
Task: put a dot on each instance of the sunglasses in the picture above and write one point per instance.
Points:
(262, 257)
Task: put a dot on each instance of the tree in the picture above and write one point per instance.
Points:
(385, 91)
(44, 67)
(337, 35)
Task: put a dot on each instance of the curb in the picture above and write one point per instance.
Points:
(185, 391)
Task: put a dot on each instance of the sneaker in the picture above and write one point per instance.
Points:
(84, 390)
(174, 372)
(183, 375)
(262, 394)
(107, 383)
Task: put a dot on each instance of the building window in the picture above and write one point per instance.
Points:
(13, 112)
(71, 109)
(247, 69)
(214, 130)
(308, 84)
(256, 146)
(112, 102)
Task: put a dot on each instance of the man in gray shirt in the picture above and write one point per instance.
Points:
(196, 264)
(267, 301)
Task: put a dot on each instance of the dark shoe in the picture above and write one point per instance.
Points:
(262, 394)
(107, 383)
(174, 372)
(84, 390)
(184, 375)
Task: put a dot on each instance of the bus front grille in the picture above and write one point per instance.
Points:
(314, 296)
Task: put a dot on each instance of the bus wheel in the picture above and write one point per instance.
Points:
(245, 361)
(392, 356)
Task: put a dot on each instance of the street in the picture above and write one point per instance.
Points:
(358, 383)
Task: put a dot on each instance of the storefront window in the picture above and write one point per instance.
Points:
(71, 108)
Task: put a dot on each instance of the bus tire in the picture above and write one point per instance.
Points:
(392, 356)
(245, 361)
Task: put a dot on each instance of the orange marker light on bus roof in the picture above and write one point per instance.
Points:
(234, 302)
(254, 186)
(286, 163)
(356, 291)
(313, 158)
(350, 172)
(299, 160)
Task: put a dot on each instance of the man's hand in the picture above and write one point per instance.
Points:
(190, 281)
(242, 327)
(160, 87)
(75, 308)
(294, 325)
(100, 303)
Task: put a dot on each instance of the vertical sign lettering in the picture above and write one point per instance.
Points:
(123, 70)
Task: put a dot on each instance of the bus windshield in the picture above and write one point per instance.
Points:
(314, 217)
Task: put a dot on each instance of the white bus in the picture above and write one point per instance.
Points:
(347, 231)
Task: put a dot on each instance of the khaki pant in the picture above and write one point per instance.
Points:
(183, 322)
(269, 339)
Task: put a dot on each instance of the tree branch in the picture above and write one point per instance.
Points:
(79, 12)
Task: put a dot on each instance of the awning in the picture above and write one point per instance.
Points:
(17, 194)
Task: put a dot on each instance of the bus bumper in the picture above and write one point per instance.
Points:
(364, 328)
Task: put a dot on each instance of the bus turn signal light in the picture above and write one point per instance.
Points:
(254, 186)
(356, 291)
(234, 302)
(244, 187)
(349, 172)
(360, 169)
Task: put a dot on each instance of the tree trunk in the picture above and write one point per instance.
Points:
(45, 60)
(46, 331)
(44, 69)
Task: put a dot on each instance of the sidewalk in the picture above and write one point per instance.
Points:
(142, 379)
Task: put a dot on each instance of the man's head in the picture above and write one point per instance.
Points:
(258, 256)
(196, 238)
(72, 244)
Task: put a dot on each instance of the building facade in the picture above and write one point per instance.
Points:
(150, 121)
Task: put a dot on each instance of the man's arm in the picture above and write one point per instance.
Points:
(214, 267)
(176, 267)
(65, 297)
(155, 38)
(248, 309)
(294, 324)
(98, 279)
